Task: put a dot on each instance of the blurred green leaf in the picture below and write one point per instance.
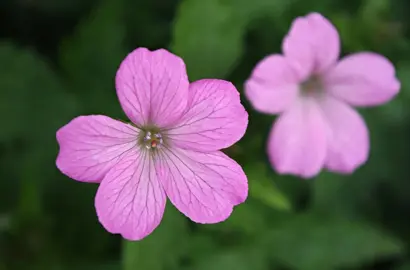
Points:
(350, 196)
(242, 259)
(262, 187)
(260, 8)
(247, 218)
(163, 248)
(403, 74)
(92, 55)
(396, 112)
(93, 266)
(350, 32)
(372, 11)
(201, 246)
(312, 242)
(331, 194)
(34, 173)
(405, 266)
(33, 103)
(208, 36)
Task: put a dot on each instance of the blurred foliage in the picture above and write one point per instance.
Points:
(58, 59)
(90, 57)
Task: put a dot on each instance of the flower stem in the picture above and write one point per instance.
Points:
(270, 195)
(130, 255)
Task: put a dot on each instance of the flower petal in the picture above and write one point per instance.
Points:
(312, 44)
(215, 117)
(348, 137)
(272, 86)
(130, 200)
(203, 186)
(92, 145)
(297, 144)
(152, 87)
(363, 79)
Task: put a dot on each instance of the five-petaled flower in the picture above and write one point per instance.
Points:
(313, 93)
(171, 149)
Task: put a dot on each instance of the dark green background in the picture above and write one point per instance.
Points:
(58, 60)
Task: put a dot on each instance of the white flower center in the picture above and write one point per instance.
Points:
(152, 140)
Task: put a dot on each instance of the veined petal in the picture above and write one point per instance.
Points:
(130, 200)
(297, 143)
(363, 79)
(91, 145)
(203, 186)
(273, 85)
(152, 87)
(312, 44)
(214, 119)
(348, 137)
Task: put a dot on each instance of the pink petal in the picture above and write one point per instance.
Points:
(363, 79)
(272, 86)
(348, 138)
(297, 144)
(312, 44)
(203, 186)
(152, 87)
(92, 145)
(130, 200)
(215, 117)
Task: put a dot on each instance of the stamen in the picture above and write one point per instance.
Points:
(147, 136)
(152, 141)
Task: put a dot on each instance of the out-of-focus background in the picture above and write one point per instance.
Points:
(58, 60)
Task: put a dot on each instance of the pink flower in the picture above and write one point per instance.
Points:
(313, 93)
(170, 150)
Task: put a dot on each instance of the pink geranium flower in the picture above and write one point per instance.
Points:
(170, 150)
(313, 92)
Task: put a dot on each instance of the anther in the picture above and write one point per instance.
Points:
(152, 141)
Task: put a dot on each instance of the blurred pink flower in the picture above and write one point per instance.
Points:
(171, 149)
(313, 93)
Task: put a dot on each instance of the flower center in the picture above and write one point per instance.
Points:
(312, 86)
(152, 140)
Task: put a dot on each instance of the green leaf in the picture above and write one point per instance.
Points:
(163, 248)
(262, 187)
(331, 192)
(405, 266)
(213, 47)
(92, 55)
(208, 36)
(33, 103)
(372, 11)
(94, 266)
(246, 217)
(403, 73)
(312, 242)
(241, 259)
(34, 174)
(259, 8)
